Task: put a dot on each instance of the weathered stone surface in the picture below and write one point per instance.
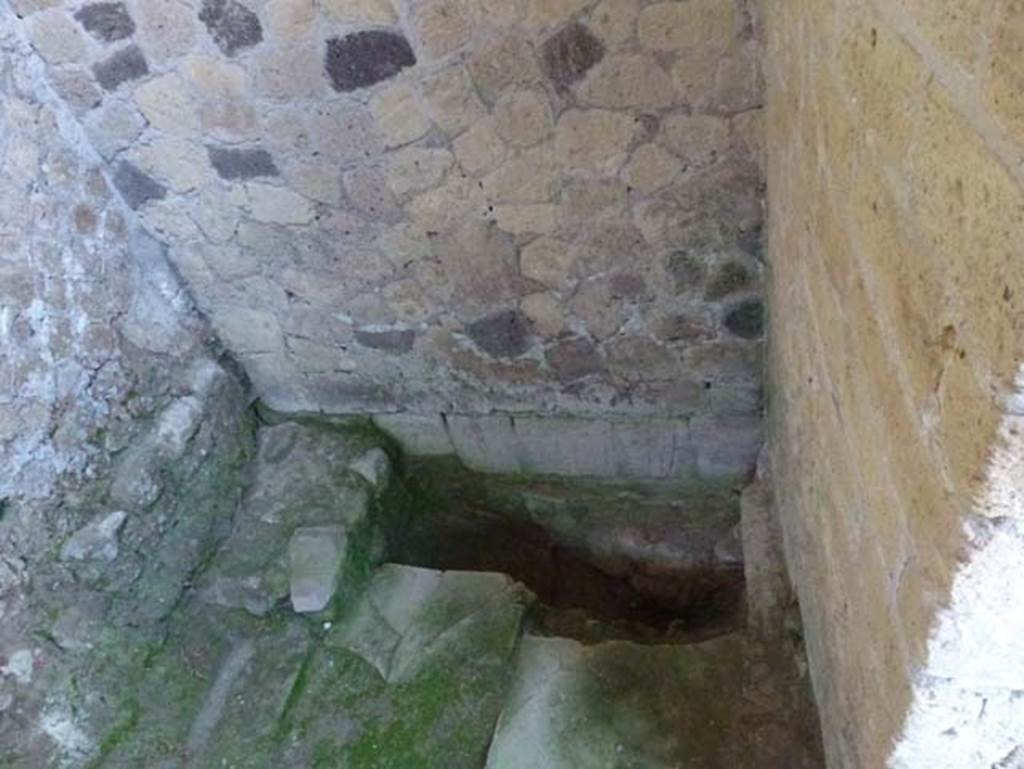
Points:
(443, 26)
(127, 64)
(98, 541)
(360, 11)
(57, 38)
(233, 164)
(168, 105)
(573, 359)
(135, 187)
(570, 53)
(106, 21)
(504, 334)
(629, 82)
(363, 58)
(398, 114)
(315, 555)
(232, 25)
(746, 319)
(728, 278)
(391, 340)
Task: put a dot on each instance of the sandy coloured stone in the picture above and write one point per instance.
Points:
(168, 105)
(368, 190)
(443, 26)
(503, 13)
(522, 118)
(215, 215)
(597, 141)
(360, 11)
(698, 140)
(364, 58)
(290, 21)
(106, 21)
(135, 187)
(629, 81)
(547, 261)
(415, 169)
(542, 14)
(544, 312)
(587, 200)
(316, 180)
(528, 219)
(452, 100)
(500, 62)
(248, 330)
(114, 126)
(57, 39)
(479, 149)
(165, 29)
(738, 85)
(651, 168)
(704, 25)
(398, 114)
(595, 304)
(614, 21)
(336, 133)
(76, 87)
(532, 176)
(570, 53)
(182, 165)
(573, 358)
(287, 72)
(278, 205)
(232, 25)
(121, 67)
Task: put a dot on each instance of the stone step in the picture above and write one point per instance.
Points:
(619, 704)
(305, 520)
(413, 674)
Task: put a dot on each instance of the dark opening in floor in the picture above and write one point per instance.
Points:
(583, 593)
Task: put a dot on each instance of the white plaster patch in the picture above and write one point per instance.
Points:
(74, 744)
(968, 708)
(20, 666)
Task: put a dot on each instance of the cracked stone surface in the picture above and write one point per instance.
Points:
(434, 208)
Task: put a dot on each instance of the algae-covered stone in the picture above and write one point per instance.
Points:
(97, 541)
(414, 676)
(316, 555)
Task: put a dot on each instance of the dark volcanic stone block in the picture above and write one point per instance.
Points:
(504, 334)
(746, 319)
(729, 278)
(570, 53)
(127, 64)
(106, 21)
(393, 340)
(364, 58)
(241, 164)
(231, 25)
(687, 271)
(135, 187)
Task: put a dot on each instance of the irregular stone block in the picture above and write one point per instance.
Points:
(361, 59)
(570, 53)
(746, 319)
(573, 359)
(487, 444)
(127, 64)
(135, 187)
(316, 555)
(98, 541)
(418, 435)
(231, 25)
(391, 340)
(232, 164)
(374, 466)
(106, 21)
(728, 279)
(504, 334)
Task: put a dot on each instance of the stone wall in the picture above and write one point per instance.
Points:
(895, 133)
(451, 206)
(120, 430)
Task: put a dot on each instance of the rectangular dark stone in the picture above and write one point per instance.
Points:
(135, 187)
(127, 64)
(234, 164)
(364, 58)
(231, 25)
(106, 22)
(393, 340)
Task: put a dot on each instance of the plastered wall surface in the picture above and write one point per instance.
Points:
(896, 134)
(444, 205)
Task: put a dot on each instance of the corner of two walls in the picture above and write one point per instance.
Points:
(896, 213)
(494, 211)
